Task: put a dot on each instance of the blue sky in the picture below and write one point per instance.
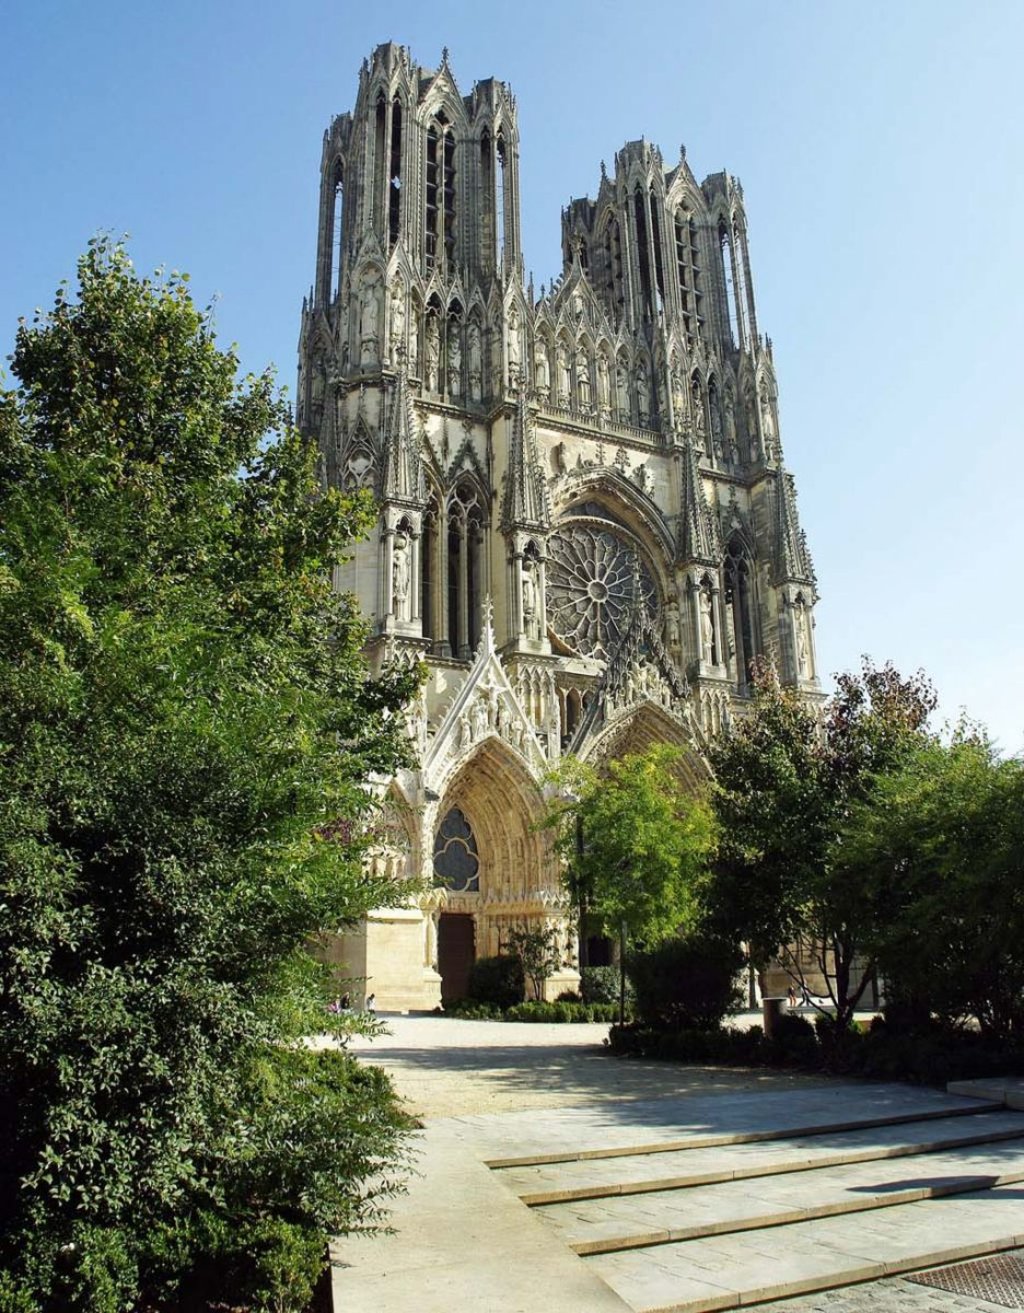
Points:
(881, 149)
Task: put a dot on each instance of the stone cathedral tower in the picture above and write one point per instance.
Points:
(586, 528)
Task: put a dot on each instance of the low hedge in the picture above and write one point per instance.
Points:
(929, 1055)
(468, 1009)
(563, 1012)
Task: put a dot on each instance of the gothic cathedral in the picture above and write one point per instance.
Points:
(587, 531)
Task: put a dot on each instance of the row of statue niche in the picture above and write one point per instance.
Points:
(611, 401)
(489, 713)
(432, 347)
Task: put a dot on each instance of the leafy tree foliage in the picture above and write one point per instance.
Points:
(940, 845)
(785, 783)
(635, 846)
(538, 951)
(186, 726)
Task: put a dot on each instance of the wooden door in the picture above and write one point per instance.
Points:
(455, 954)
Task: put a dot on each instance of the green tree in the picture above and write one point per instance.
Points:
(940, 844)
(186, 725)
(644, 850)
(785, 783)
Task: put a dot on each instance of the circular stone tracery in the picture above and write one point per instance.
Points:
(593, 576)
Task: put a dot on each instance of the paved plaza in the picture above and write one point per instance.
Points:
(551, 1173)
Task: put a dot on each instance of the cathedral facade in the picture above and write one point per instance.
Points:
(587, 531)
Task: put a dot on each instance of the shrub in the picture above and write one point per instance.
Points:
(497, 980)
(468, 1009)
(563, 1012)
(796, 1039)
(687, 983)
(601, 985)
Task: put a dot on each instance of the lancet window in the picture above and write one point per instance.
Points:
(440, 192)
(333, 233)
(395, 174)
(739, 602)
(465, 564)
(689, 274)
(429, 563)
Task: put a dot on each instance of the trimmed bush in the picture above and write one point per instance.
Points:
(498, 981)
(563, 1012)
(687, 984)
(601, 985)
(468, 1009)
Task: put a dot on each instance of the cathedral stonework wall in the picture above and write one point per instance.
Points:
(587, 530)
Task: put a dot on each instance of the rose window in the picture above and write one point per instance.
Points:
(593, 577)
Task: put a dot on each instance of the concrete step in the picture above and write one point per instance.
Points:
(667, 1125)
(618, 1222)
(769, 1155)
(776, 1262)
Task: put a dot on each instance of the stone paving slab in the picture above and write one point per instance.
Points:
(667, 1124)
(592, 1226)
(461, 1241)
(597, 1177)
(754, 1266)
(1007, 1090)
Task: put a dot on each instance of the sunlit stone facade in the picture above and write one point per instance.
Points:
(586, 528)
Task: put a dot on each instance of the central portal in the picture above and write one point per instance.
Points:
(456, 952)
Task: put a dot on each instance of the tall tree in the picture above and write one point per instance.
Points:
(940, 845)
(186, 725)
(785, 782)
(635, 846)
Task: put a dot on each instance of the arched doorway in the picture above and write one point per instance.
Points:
(498, 870)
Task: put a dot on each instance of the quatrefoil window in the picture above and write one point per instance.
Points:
(456, 861)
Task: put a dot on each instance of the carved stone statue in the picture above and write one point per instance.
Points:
(672, 633)
(400, 576)
(454, 359)
(433, 353)
(564, 380)
(530, 598)
(643, 394)
(803, 662)
(699, 421)
(397, 317)
(707, 628)
(369, 325)
(541, 374)
(475, 363)
(583, 379)
(622, 393)
(414, 343)
(603, 390)
(515, 347)
(767, 423)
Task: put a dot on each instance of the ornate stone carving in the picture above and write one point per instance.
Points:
(593, 578)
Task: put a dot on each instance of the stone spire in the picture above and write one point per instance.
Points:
(525, 503)
(402, 475)
(792, 559)
(698, 531)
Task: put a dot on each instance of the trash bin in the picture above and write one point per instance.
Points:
(772, 1011)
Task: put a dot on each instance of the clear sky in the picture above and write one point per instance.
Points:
(881, 148)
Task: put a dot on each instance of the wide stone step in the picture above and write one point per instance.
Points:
(800, 1151)
(670, 1125)
(639, 1220)
(749, 1267)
